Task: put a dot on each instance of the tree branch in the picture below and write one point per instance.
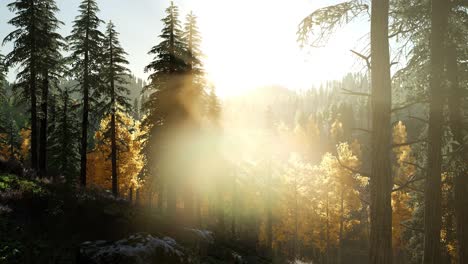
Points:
(419, 119)
(407, 143)
(365, 174)
(414, 165)
(407, 183)
(412, 228)
(365, 58)
(349, 92)
(362, 129)
(407, 105)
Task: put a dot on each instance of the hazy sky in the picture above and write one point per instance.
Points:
(247, 43)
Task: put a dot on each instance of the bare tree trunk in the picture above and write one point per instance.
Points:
(327, 256)
(43, 126)
(381, 178)
(171, 199)
(340, 245)
(455, 101)
(234, 207)
(32, 91)
(189, 203)
(160, 196)
(433, 193)
(220, 212)
(84, 121)
(115, 179)
(269, 209)
(197, 210)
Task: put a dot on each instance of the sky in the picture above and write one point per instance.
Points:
(247, 43)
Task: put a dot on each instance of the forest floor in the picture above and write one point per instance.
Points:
(42, 222)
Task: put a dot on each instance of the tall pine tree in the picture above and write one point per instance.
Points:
(194, 96)
(32, 23)
(64, 147)
(163, 108)
(115, 92)
(86, 46)
(50, 74)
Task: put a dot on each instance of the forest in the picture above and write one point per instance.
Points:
(99, 164)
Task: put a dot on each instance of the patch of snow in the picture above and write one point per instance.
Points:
(203, 234)
(140, 247)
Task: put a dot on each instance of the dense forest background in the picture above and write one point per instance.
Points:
(100, 166)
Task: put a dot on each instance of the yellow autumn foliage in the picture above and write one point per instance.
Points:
(129, 159)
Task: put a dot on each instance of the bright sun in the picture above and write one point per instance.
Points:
(248, 44)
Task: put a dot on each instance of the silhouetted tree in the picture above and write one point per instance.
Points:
(433, 190)
(49, 74)
(86, 47)
(64, 147)
(164, 107)
(115, 92)
(31, 39)
(194, 94)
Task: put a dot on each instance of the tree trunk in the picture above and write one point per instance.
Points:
(171, 198)
(65, 135)
(188, 204)
(84, 122)
(220, 212)
(381, 178)
(327, 256)
(433, 193)
(455, 102)
(269, 227)
(340, 245)
(44, 123)
(115, 182)
(234, 206)
(32, 94)
(32, 91)
(161, 196)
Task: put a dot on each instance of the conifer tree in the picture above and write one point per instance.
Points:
(86, 47)
(163, 108)
(64, 147)
(115, 92)
(194, 96)
(50, 73)
(33, 22)
(192, 38)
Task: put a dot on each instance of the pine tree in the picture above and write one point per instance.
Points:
(64, 147)
(86, 46)
(192, 38)
(32, 22)
(116, 93)
(50, 73)
(194, 95)
(163, 108)
(213, 107)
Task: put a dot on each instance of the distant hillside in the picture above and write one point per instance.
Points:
(134, 84)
